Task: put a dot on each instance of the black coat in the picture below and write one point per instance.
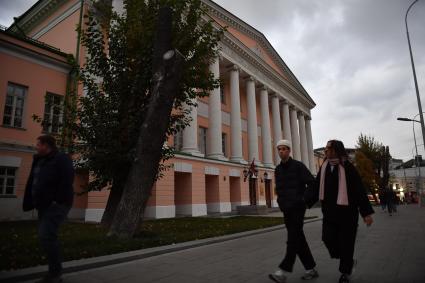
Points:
(292, 178)
(357, 196)
(54, 183)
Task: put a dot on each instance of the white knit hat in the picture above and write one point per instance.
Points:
(285, 143)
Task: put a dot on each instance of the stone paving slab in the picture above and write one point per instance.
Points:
(391, 251)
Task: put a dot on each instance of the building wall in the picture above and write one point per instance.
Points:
(195, 186)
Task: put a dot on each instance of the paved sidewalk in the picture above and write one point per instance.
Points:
(392, 250)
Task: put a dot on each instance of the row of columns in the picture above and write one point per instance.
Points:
(295, 128)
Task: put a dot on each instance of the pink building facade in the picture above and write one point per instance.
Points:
(259, 102)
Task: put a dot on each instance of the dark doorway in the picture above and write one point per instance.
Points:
(252, 191)
(268, 193)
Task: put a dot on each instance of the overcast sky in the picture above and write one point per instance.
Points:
(351, 56)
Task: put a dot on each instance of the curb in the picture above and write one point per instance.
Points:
(101, 261)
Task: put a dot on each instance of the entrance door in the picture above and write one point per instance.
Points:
(268, 193)
(252, 191)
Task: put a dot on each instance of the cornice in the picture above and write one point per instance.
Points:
(238, 47)
(240, 25)
(37, 14)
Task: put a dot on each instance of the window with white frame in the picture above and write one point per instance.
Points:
(223, 143)
(178, 141)
(202, 139)
(14, 105)
(7, 180)
(53, 113)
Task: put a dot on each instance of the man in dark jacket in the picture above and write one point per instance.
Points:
(292, 179)
(49, 190)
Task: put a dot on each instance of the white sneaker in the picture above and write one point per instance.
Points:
(310, 274)
(279, 276)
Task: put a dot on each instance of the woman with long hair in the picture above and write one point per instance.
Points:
(343, 196)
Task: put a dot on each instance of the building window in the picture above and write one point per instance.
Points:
(222, 95)
(7, 180)
(14, 106)
(202, 139)
(53, 113)
(223, 143)
(178, 141)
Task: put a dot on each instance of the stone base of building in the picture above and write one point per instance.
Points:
(252, 210)
(219, 207)
(191, 210)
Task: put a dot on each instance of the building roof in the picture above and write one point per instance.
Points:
(17, 35)
(252, 32)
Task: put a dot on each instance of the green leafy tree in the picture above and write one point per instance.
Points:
(119, 83)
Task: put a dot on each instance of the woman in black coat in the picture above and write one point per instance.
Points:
(342, 195)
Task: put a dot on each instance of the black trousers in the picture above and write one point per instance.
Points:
(339, 236)
(296, 244)
(49, 221)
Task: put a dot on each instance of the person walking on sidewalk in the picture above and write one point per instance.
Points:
(292, 178)
(49, 190)
(342, 195)
(391, 200)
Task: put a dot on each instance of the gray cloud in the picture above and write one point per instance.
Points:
(351, 56)
(13, 8)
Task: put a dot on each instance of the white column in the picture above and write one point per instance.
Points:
(277, 128)
(190, 132)
(252, 122)
(235, 117)
(286, 124)
(296, 150)
(265, 129)
(310, 145)
(303, 140)
(214, 145)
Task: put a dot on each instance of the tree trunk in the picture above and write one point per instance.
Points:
(112, 205)
(167, 65)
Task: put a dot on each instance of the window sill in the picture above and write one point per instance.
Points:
(8, 196)
(15, 128)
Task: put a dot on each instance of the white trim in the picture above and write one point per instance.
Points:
(35, 58)
(10, 161)
(214, 161)
(94, 214)
(219, 207)
(236, 204)
(182, 167)
(57, 20)
(158, 212)
(262, 202)
(274, 203)
(11, 209)
(234, 173)
(191, 210)
(77, 213)
(212, 171)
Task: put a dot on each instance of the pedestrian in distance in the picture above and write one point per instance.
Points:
(343, 196)
(389, 196)
(49, 190)
(292, 179)
(382, 201)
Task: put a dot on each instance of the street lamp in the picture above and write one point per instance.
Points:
(414, 74)
(418, 165)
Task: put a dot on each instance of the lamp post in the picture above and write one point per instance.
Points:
(414, 74)
(418, 165)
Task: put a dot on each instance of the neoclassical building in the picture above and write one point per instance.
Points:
(259, 102)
